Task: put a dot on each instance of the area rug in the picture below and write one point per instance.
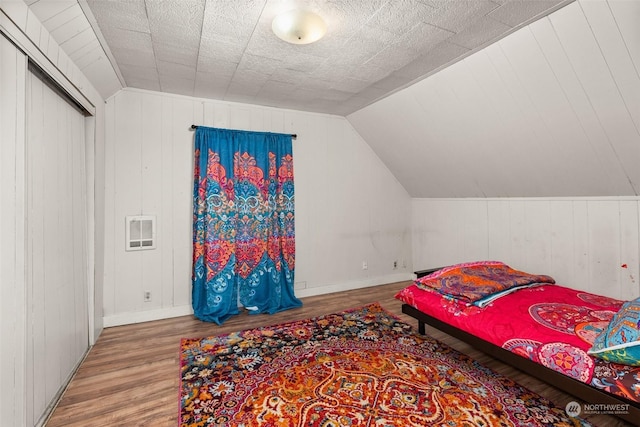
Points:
(361, 367)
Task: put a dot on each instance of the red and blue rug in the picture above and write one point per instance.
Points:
(362, 367)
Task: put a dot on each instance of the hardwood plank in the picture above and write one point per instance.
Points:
(130, 376)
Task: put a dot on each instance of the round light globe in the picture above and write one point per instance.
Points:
(299, 27)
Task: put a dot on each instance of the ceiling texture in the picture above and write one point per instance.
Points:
(225, 49)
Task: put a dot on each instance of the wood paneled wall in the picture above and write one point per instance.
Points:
(552, 110)
(13, 65)
(57, 334)
(584, 243)
(44, 326)
(349, 208)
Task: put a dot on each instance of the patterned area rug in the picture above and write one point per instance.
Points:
(362, 367)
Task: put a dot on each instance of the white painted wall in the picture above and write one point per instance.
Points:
(349, 208)
(57, 332)
(12, 235)
(23, 28)
(574, 89)
(584, 243)
(552, 110)
(24, 393)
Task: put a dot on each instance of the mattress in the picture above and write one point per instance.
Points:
(549, 324)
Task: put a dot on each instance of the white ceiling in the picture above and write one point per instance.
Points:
(225, 49)
(552, 110)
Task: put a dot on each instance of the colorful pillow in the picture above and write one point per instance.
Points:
(619, 342)
(474, 282)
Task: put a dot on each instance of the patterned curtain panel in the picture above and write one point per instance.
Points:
(243, 223)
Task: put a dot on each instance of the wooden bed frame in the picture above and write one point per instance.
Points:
(583, 391)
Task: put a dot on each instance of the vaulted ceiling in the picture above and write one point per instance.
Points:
(225, 49)
(552, 110)
(477, 98)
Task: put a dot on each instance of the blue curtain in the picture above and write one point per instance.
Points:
(243, 223)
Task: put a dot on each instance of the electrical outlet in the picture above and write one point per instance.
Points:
(147, 296)
(365, 266)
(395, 264)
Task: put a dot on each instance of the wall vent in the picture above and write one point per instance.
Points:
(140, 232)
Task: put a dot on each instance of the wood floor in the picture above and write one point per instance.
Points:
(130, 377)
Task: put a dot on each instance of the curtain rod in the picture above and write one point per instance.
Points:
(194, 127)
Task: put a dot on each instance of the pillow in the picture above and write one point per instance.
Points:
(619, 342)
(479, 282)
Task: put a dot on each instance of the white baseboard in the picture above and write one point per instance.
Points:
(186, 310)
(146, 316)
(353, 284)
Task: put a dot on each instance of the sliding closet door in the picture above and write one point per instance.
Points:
(56, 253)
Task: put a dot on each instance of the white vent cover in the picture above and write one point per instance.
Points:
(140, 232)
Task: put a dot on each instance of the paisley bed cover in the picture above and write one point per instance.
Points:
(549, 324)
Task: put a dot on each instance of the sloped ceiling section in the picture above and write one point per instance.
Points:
(226, 49)
(551, 110)
(70, 26)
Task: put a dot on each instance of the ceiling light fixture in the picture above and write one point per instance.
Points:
(299, 27)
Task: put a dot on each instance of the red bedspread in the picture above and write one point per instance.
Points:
(549, 324)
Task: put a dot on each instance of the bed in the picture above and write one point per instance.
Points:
(584, 344)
